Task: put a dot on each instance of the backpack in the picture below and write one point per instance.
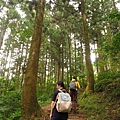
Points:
(63, 103)
(72, 86)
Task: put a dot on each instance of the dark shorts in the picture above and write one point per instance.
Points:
(73, 94)
(55, 118)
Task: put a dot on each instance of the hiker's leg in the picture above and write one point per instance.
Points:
(75, 96)
(73, 101)
(72, 95)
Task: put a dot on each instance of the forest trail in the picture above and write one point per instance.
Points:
(72, 116)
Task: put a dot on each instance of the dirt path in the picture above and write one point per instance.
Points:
(72, 116)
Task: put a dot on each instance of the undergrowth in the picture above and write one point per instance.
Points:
(99, 106)
(10, 102)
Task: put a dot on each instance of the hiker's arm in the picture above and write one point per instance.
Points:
(52, 106)
(53, 102)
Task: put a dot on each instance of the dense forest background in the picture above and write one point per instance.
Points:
(75, 37)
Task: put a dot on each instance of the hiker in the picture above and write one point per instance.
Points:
(54, 114)
(73, 88)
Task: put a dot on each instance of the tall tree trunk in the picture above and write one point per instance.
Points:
(75, 58)
(29, 99)
(90, 74)
(69, 43)
(58, 70)
(3, 31)
(24, 65)
(82, 62)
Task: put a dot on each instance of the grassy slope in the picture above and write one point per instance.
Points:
(98, 106)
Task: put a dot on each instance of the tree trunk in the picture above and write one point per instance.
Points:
(29, 99)
(62, 75)
(3, 31)
(69, 44)
(82, 63)
(90, 74)
(75, 58)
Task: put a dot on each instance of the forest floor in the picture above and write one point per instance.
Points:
(72, 116)
(78, 115)
(92, 107)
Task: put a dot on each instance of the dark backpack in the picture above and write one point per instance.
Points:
(72, 86)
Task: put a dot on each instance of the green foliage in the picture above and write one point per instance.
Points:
(112, 48)
(13, 14)
(15, 115)
(10, 100)
(101, 85)
(44, 95)
(115, 49)
(97, 106)
(109, 82)
(10, 103)
(103, 80)
(89, 104)
(105, 75)
(85, 94)
(114, 14)
(114, 87)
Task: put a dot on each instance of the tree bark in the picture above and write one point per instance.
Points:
(90, 73)
(29, 99)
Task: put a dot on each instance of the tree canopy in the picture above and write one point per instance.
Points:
(45, 44)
